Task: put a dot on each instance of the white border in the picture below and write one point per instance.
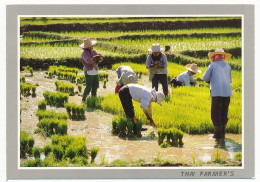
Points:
(137, 16)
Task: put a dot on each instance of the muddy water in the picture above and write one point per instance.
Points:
(97, 130)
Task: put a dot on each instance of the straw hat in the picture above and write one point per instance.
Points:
(155, 48)
(88, 43)
(157, 95)
(220, 51)
(129, 77)
(193, 67)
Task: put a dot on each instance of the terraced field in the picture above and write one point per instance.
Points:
(55, 41)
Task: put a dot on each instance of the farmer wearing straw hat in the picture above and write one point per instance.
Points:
(125, 75)
(141, 94)
(156, 63)
(187, 77)
(90, 59)
(218, 74)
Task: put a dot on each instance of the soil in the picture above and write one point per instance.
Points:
(97, 130)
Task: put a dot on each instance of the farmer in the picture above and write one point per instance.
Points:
(187, 77)
(90, 59)
(156, 63)
(218, 74)
(125, 75)
(141, 94)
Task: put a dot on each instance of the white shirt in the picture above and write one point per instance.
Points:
(143, 95)
(123, 72)
(92, 72)
(186, 78)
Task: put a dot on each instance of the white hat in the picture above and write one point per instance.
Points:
(129, 77)
(193, 67)
(88, 43)
(155, 48)
(157, 95)
(219, 51)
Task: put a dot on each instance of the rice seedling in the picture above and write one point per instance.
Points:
(79, 87)
(57, 99)
(75, 111)
(93, 154)
(41, 114)
(47, 150)
(65, 87)
(36, 152)
(26, 144)
(51, 126)
(42, 105)
(27, 89)
(238, 156)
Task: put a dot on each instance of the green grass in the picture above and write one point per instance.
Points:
(54, 20)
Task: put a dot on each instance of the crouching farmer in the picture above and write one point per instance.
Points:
(141, 94)
(218, 74)
(187, 77)
(125, 75)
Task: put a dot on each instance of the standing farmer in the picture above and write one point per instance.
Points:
(125, 75)
(156, 63)
(218, 74)
(141, 94)
(89, 59)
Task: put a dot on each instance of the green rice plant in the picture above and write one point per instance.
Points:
(57, 99)
(27, 89)
(42, 105)
(139, 128)
(217, 156)
(80, 161)
(105, 81)
(94, 102)
(36, 152)
(93, 154)
(130, 128)
(65, 87)
(80, 79)
(238, 156)
(193, 158)
(70, 152)
(41, 114)
(22, 79)
(165, 145)
(57, 152)
(28, 68)
(26, 144)
(122, 128)
(102, 76)
(75, 111)
(51, 126)
(34, 163)
(47, 150)
(79, 87)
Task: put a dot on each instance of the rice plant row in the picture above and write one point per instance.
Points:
(26, 144)
(75, 111)
(195, 101)
(56, 99)
(51, 20)
(65, 87)
(27, 89)
(51, 126)
(173, 137)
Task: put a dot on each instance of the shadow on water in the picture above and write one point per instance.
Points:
(228, 145)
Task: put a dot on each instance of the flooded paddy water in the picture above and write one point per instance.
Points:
(97, 130)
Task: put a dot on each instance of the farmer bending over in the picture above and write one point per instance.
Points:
(125, 75)
(156, 63)
(187, 77)
(90, 59)
(218, 74)
(141, 94)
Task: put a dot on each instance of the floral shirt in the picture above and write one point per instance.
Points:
(88, 56)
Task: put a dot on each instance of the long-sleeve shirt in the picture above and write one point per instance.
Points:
(219, 75)
(162, 69)
(186, 78)
(87, 56)
(125, 71)
(143, 95)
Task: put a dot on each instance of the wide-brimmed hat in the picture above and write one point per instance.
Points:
(157, 95)
(193, 67)
(129, 78)
(88, 43)
(220, 51)
(155, 48)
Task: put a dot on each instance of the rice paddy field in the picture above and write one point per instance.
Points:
(58, 130)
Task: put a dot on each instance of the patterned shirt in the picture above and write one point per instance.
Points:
(86, 57)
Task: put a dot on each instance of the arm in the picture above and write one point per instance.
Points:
(149, 62)
(207, 74)
(88, 59)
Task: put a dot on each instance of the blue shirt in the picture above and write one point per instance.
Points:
(219, 75)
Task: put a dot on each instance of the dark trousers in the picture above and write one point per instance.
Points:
(92, 84)
(163, 80)
(126, 101)
(219, 110)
